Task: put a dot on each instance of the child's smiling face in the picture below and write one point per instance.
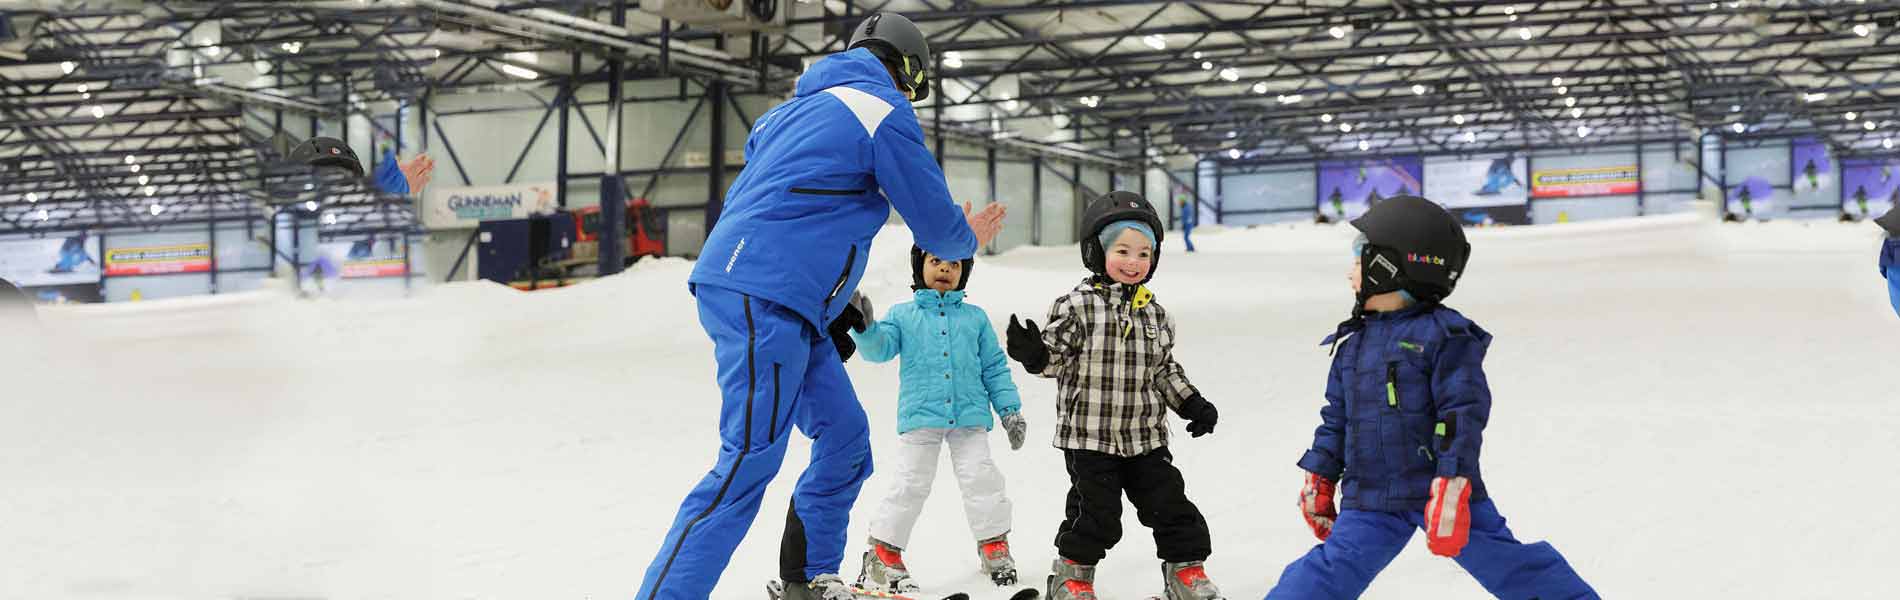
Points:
(1130, 257)
(941, 275)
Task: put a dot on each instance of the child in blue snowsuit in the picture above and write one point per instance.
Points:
(1406, 408)
(954, 375)
(774, 286)
(1890, 256)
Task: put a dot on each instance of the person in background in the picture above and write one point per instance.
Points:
(1890, 255)
(1190, 216)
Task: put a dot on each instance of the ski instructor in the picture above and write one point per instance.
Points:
(776, 289)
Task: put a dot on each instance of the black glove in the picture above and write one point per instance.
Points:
(1025, 345)
(840, 329)
(1200, 414)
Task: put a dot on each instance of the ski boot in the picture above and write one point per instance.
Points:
(1071, 581)
(884, 570)
(994, 554)
(1188, 581)
(823, 587)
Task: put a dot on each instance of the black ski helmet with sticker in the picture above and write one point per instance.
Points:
(1109, 208)
(1412, 244)
(327, 152)
(902, 46)
(917, 270)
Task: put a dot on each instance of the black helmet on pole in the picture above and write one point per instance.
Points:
(1109, 208)
(897, 41)
(1412, 244)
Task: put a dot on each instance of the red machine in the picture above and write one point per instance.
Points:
(646, 231)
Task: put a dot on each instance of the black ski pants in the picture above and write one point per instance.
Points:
(1093, 522)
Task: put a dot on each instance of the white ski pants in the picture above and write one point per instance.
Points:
(984, 503)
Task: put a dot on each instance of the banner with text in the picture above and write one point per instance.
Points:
(465, 207)
(157, 260)
(65, 260)
(376, 256)
(1594, 181)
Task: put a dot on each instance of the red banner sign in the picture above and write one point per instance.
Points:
(158, 260)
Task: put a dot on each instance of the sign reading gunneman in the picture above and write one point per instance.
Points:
(465, 207)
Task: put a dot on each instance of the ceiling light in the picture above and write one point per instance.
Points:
(1261, 88)
(1583, 130)
(1326, 118)
(1557, 81)
(309, 186)
(1336, 32)
(129, 159)
(1197, 55)
(1860, 30)
(953, 59)
(83, 88)
(157, 209)
(1471, 136)
(1291, 98)
(1207, 66)
(310, 205)
(1886, 143)
(1867, 125)
(1345, 128)
(1155, 41)
(32, 197)
(1735, 108)
(1233, 134)
(1562, 90)
(1234, 154)
(43, 214)
(1363, 146)
(135, 168)
(1576, 113)
(1524, 33)
(1510, 10)
(68, 66)
(1230, 74)
(1382, 58)
(1513, 18)
(145, 179)
(291, 47)
(519, 72)
(1418, 89)
(1570, 101)
(150, 189)
(329, 218)
(98, 112)
(1851, 115)
(1458, 119)
(1814, 96)
(1739, 128)
(85, 96)
(1011, 104)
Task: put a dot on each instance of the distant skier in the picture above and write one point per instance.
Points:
(72, 254)
(1406, 408)
(953, 376)
(776, 289)
(1814, 175)
(1860, 199)
(1110, 347)
(1497, 178)
(1890, 255)
(1339, 203)
(1190, 217)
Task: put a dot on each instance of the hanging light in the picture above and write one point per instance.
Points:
(145, 179)
(1363, 146)
(953, 59)
(1234, 154)
(1471, 136)
(1326, 118)
(1418, 89)
(32, 197)
(310, 205)
(1458, 119)
(1261, 88)
(1345, 128)
(68, 66)
(1739, 127)
(1570, 100)
(1230, 74)
(1155, 41)
(1524, 33)
(1851, 115)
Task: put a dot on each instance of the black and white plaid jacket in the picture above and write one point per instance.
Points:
(1111, 352)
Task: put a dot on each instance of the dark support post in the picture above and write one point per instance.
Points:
(422, 120)
(989, 163)
(1035, 200)
(407, 276)
(560, 139)
(1197, 188)
(211, 230)
(1220, 196)
(613, 196)
(1642, 201)
(716, 176)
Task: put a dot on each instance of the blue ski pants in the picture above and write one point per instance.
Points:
(1364, 542)
(775, 372)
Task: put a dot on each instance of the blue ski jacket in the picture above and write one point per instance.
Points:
(1406, 401)
(822, 172)
(1890, 268)
(953, 373)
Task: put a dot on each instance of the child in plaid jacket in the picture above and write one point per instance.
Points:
(1110, 348)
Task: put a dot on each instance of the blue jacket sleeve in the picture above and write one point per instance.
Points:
(882, 341)
(389, 175)
(1327, 456)
(1464, 400)
(910, 179)
(996, 379)
(1893, 287)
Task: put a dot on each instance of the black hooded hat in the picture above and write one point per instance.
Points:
(917, 270)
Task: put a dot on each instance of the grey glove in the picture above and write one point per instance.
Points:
(863, 304)
(1017, 428)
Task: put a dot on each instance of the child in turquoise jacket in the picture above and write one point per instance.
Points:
(953, 375)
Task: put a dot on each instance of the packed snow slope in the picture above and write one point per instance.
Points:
(1685, 409)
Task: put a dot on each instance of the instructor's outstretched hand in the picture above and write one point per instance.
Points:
(987, 223)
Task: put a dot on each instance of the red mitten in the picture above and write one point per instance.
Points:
(1448, 516)
(1316, 503)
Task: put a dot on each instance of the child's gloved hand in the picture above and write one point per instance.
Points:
(1448, 516)
(1316, 504)
(1017, 428)
(1026, 347)
(1200, 414)
(854, 318)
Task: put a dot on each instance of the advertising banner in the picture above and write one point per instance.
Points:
(1482, 191)
(1813, 169)
(1753, 195)
(376, 256)
(1869, 187)
(69, 260)
(465, 207)
(1594, 181)
(1348, 188)
(156, 260)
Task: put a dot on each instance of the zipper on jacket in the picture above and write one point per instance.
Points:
(1392, 384)
(774, 428)
(825, 192)
(850, 260)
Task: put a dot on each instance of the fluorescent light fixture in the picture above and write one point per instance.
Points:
(1458, 119)
(953, 59)
(1739, 127)
(1363, 146)
(1851, 115)
(1326, 118)
(1291, 98)
(1336, 32)
(1155, 41)
(1418, 89)
(1230, 74)
(518, 72)
(310, 205)
(1261, 88)
(68, 66)
(1235, 153)
(1524, 33)
(1345, 128)
(32, 197)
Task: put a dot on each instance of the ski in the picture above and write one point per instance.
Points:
(775, 590)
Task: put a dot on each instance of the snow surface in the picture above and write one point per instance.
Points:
(1684, 409)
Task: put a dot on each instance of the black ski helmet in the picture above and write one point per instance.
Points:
(897, 41)
(327, 152)
(1890, 222)
(1412, 244)
(1109, 208)
(917, 270)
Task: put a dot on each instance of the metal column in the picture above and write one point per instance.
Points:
(613, 203)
